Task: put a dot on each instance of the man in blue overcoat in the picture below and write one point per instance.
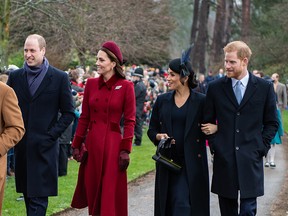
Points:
(244, 108)
(42, 92)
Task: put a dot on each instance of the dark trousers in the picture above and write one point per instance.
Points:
(178, 199)
(229, 207)
(138, 131)
(10, 161)
(36, 206)
(63, 159)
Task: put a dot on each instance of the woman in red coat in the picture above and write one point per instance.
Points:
(102, 178)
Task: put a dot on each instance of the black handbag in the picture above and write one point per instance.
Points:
(164, 145)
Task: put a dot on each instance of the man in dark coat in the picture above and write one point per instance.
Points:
(245, 129)
(42, 92)
(140, 94)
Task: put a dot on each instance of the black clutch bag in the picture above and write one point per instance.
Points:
(163, 145)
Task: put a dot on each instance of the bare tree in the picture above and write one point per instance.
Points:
(228, 20)
(194, 27)
(246, 5)
(199, 51)
(4, 30)
(141, 28)
(218, 35)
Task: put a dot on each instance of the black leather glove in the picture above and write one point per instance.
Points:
(124, 160)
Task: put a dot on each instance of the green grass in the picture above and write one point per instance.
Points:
(141, 163)
(285, 120)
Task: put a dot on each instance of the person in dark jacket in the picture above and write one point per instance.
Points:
(64, 148)
(245, 110)
(43, 91)
(140, 94)
(178, 114)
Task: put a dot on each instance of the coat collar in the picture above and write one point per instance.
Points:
(249, 92)
(193, 105)
(110, 83)
(46, 80)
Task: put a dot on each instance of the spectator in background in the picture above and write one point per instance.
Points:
(209, 77)
(277, 140)
(76, 80)
(140, 95)
(281, 92)
(220, 73)
(64, 150)
(102, 179)
(43, 91)
(202, 85)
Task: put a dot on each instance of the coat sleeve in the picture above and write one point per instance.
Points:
(129, 118)
(270, 121)
(210, 115)
(154, 125)
(66, 109)
(12, 122)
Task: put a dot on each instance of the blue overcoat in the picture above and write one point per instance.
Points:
(36, 160)
(194, 152)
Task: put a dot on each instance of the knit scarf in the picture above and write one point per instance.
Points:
(35, 75)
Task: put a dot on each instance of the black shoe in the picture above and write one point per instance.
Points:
(272, 165)
(21, 198)
(136, 144)
(267, 164)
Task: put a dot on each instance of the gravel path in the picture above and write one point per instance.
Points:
(141, 191)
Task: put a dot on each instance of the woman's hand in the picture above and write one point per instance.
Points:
(164, 136)
(160, 136)
(209, 128)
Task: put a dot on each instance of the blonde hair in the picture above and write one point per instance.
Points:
(243, 50)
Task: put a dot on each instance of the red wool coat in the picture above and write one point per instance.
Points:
(101, 185)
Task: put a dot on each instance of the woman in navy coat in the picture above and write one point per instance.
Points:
(178, 114)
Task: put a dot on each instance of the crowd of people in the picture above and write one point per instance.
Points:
(103, 112)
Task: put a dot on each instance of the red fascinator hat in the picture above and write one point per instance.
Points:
(114, 48)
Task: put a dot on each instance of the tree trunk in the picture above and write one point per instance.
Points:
(194, 27)
(218, 35)
(228, 21)
(246, 4)
(199, 51)
(4, 31)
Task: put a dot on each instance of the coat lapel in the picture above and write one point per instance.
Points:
(169, 106)
(193, 106)
(228, 91)
(250, 90)
(23, 84)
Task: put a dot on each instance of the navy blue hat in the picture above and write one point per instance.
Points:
(138, 72)
(175, 65)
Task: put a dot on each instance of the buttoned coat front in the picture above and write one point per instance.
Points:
(101, 185)
(243, 136)
(194, 153)
(36, 160)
